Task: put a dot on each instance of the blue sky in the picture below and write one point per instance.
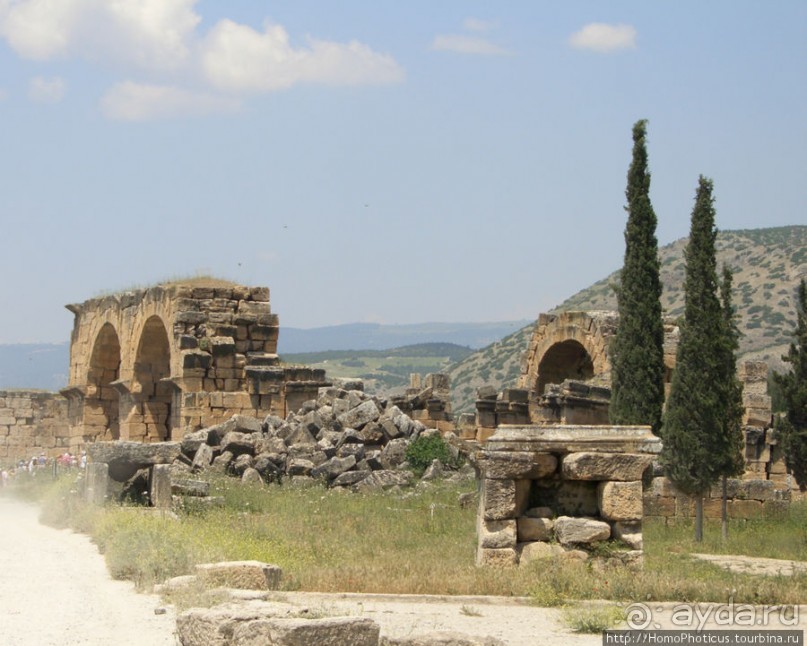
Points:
(384, 161)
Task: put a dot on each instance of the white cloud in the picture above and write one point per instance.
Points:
(130, 101)
(604, 38)
(44, 90)
(160, 41)
(151, 34)
(237, 57)
(461, 44)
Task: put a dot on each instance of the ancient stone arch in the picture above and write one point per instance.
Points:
(575, 346)
(101, 406)
(568, 345)
(151, 364)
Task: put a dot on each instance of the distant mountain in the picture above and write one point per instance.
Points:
(375, 336)
(34, 365)
(767, 263)
(45, 366)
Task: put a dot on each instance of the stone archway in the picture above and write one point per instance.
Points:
(101, 404)
(150, 419)
(564, 360)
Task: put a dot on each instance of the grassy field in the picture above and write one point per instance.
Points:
(383, 370)
(420, 541)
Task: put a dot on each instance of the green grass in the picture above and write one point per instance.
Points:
(592, 619)
(417, 541)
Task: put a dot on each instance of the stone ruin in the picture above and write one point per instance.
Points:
(564, 388)
(344, 439)
(561, 491)
(152, 364)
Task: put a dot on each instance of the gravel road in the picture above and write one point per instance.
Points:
(55, 589)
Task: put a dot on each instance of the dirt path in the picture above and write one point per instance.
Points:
(55, 589)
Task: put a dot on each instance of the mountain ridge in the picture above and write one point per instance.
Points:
(767, 263)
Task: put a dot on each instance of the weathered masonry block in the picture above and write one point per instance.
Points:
(559, 491)
(151, 364)
(32, 422)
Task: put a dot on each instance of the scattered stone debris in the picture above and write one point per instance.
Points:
(344, 438)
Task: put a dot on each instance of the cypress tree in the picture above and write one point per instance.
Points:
(693, 454)
(733, 461)
(637, 351)
(792, 428)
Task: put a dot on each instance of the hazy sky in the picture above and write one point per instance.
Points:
(382, 161)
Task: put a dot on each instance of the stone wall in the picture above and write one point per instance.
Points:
(558, 491)
(747, 499)
(32, 422)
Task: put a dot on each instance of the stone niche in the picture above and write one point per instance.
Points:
(563, 491)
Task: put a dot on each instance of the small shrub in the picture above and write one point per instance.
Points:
(424, 450)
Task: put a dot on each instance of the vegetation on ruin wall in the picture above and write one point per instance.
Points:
(419, 541)
(767, 265)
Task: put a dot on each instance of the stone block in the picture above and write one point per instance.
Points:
(497, 534)
(507, 557)
(514, 465)
(360, 415)
(661, 487)
(629, 532)
(748, 509)
(620, 500)
(538, 551)
(97, 483)
(241, 575)
(534, 529)
(189, 487)
(605, 466)
(581, 531)
(160, 486)
(503, 499)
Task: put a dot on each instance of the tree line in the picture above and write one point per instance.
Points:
(701, 425)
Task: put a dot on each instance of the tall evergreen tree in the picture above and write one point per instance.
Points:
(733, 461)
(693, 454)
(793, 427)
(637, 351)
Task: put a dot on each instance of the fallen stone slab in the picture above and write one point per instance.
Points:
(254, 623)
(190, 487)
(328, 631)
(576, 531)
(127, 458)
(215, 626)
(244, 575)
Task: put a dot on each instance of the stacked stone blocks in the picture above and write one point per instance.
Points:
(562, 490)
(32, 422)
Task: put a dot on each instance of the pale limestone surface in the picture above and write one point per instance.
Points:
(55, 590)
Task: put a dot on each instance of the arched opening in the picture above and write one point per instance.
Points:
(564, 360)
(152, 396)
(101, 405)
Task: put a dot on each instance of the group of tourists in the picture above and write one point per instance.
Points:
(38, 463)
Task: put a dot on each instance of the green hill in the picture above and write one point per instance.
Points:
(383, 370)
(767, 265)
